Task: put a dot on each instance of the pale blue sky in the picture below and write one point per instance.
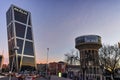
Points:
(56, 23)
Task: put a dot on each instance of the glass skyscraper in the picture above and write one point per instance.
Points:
(20, 39)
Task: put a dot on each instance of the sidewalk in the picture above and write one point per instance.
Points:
(58, 78)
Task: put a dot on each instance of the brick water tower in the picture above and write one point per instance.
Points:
(88, 46)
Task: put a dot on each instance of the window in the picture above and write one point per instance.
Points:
(28, 48)
(29, 33)
(20, 17)
(91, 39)
(29, 23)
(28, 61)
(9, 16)
(80, 40)
(11, 46)
(19, 60)
(99, 39)
(20, 45)
(94, 70)
(90, 70)
(93, 51)
(20, 30)
(10, 31)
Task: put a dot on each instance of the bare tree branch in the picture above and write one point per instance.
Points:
(72, 57)
(109, 57)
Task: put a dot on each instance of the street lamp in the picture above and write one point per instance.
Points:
(47, 61)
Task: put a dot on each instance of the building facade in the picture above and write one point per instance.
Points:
(20, 39)
(1, 62)
(56, 67)
(88, 47)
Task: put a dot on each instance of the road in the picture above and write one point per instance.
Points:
(52, 78)
(7, 78)
(13, 78)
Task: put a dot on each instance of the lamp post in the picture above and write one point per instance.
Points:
(47, 61)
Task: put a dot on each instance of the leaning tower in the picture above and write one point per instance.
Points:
(88, 46)
(20, 39)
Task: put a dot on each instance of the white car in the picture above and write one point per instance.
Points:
(2, 76)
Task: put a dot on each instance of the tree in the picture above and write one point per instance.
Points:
(109, 57)
(72, 57)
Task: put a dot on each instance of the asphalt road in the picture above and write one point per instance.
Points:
(7, 78)
(41, 78)
(13, 78)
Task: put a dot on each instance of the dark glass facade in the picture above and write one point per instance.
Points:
(29, 33)
(20, 44)
(88, 38)
(9, 16)
(28, 48)
(10, 31)
(20, 39)
(20, 15)
(20, 30)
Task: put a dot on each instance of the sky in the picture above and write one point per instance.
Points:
(56, 24)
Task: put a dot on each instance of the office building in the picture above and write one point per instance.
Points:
(20, 39)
